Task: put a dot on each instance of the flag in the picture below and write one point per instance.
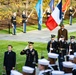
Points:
(39, 10)
(51, 4)
(55, 19)
(65, 6)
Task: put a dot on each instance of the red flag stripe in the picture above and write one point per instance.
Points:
(50, 23)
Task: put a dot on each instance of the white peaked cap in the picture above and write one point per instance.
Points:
(71, 57)
(27, 69)
(14, 72)
(68, 64)
(57, 73)
(43, 62)
(74, 54)
(53, 55)
(74, 67)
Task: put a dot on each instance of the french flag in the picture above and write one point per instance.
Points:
(55, 19)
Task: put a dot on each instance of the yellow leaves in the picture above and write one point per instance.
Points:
(18, 19)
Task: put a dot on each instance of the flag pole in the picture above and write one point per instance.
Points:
(29, 15)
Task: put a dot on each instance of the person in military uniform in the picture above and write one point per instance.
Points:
(60, 60)
(13, 21)
(43, 67)
(9, 60)
(48, 12)
(71, 45)
(31, 55)
(62, 32)
(71, 11)
(52, 45)
(24, 21)
(62, 46)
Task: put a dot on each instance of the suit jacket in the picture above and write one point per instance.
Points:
(31, 57)
(64, 33)
(9, 60)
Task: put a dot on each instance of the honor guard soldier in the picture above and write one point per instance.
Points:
(71, 11)
(60, 60)
(63, 31)
(24, 21)
(31, 55)
(9, 60)
(52, 45)
(71, 45)
(43, 67)
(62, 46)
(48, 13)
(13, 20)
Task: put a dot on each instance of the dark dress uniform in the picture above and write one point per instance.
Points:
(60, 60)
(71, 11)
(62, 47)
(9, 61)
(63, 32)
(72, 45)
(31, 57)
(24, 22)
(52, 44)
(13, 21)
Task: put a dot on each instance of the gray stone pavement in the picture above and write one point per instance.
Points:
(36, 35)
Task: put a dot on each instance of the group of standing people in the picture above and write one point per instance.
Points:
(14, 23)
(62, 46)
(10, 58)
(59, 46)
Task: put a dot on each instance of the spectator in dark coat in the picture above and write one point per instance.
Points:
(62, 32)
(9, 60)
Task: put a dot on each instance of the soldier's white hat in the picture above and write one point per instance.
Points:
(14, 72)
(57, 73)
(53, 55)
(27, 69)
(71, 57)
(43, 62)
(74, 67)
(68, 64)
(74, 54)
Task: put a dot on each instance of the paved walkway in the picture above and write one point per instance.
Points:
(35, 36)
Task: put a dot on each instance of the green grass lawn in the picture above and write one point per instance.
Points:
(18, 47)
(67, 21)
(20, 29)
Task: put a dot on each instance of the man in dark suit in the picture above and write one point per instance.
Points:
(9, 60)
(31, 55)
(52, 44)
(62, 32)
